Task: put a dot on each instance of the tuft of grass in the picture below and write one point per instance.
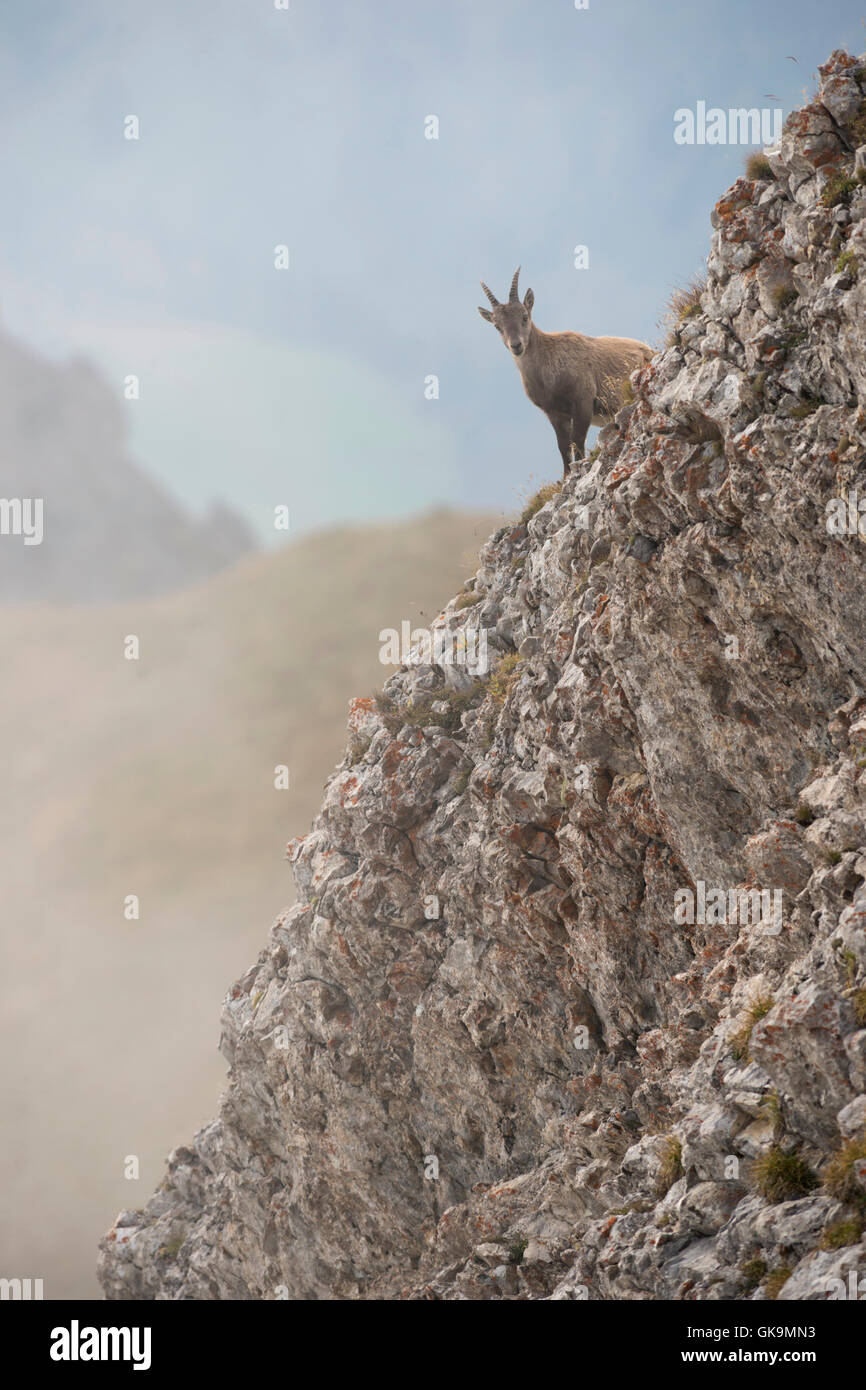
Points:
(419, 713)
(848, 261)
(776, 1281)
(781, 1176)
(171, 1247)
(758, 167)
(839, 1177)
(739, 1041)
(838, 189)
(684, 304)
(795, 340)
(360, 752)
(773, 1106)
(858, 127)
(488, 734)
(804, 815)
(753, 1271)
(849, 960)
(843, 1233)
(783, 295)
(517, 1249)
(503, 676)
(387, 709)
(641, 1204)
(467, 599)
(807, 406)
(859, 1004)
(542, 496)
(672, 1166)
(461, 781)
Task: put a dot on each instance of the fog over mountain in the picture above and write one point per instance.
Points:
(156, 777)
(108, 530)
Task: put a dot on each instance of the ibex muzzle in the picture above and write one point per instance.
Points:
(577, 381)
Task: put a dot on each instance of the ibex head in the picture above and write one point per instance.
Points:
(513, 320)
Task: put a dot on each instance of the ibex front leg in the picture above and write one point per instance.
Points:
(580, 424)
(562, 425)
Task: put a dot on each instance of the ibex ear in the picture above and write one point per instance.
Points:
(485, 314)
(528, 300)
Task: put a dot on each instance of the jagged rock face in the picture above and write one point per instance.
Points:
(568, 1084)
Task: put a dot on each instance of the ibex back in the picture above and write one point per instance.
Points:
(577, 381)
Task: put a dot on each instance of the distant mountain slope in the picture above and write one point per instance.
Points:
(156, 778)
(110, 532)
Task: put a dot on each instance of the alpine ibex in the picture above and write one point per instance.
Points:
(577, 381)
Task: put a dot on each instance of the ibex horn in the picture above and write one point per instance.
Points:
(512, 293)
(490, 295)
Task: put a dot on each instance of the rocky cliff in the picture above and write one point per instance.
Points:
(573, 1001)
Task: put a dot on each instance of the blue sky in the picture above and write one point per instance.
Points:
(306, 127)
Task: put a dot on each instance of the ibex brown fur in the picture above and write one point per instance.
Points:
(577, 381)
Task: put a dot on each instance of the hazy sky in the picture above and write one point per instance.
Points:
(306, 127)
